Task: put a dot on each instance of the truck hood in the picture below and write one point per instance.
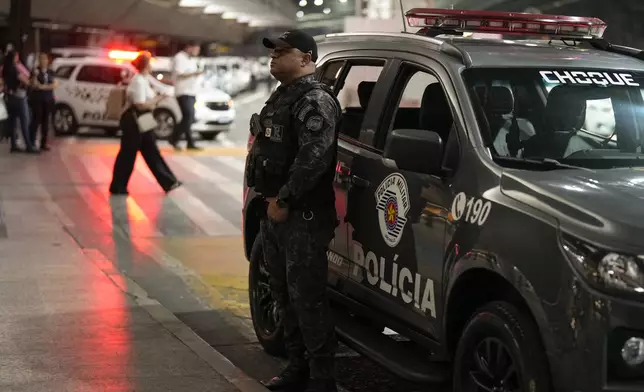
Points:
(605, 206)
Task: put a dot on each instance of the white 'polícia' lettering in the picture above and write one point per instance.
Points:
(423, 295)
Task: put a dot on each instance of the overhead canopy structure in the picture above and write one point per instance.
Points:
(220, 20)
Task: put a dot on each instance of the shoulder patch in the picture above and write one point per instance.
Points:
(314, 123)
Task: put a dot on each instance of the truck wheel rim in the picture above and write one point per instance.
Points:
(266, 314)
(492, 368)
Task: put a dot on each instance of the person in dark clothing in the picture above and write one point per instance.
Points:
(141, 99)
(292, 166)
(42, 100)
(16, 84)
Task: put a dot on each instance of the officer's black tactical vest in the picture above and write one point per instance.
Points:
(275, 148)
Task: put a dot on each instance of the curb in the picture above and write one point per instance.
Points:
(217, 361)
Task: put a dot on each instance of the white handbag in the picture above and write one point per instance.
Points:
(3, 109)
(146, 122)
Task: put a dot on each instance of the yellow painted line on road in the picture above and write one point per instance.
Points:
(220, 263)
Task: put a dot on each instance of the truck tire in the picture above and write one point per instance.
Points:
(501, 327)
(266, 323)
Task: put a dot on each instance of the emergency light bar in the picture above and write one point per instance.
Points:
(123, 55)
(506, 22)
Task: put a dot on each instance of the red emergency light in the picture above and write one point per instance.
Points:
(123, 55)
(506, 22)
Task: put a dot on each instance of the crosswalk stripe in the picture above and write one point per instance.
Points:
(97, 169)
(231, 188)
(208, 220)
(236, 164)
(135, 213)
(71, 169)
(211, 222)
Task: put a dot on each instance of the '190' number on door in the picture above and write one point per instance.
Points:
(470, 209)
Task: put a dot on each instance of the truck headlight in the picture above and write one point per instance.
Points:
(606, 270)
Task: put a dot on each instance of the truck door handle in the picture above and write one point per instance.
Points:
(359, 181)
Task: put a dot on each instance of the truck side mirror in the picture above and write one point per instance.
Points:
(416, 150)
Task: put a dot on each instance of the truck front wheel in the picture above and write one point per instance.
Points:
(266, 321)
(500, 350)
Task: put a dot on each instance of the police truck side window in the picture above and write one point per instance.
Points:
(99, 74)
(354, 95)
(419, 106)
(331, 73)
(64, 72)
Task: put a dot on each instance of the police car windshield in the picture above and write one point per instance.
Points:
(584, 117)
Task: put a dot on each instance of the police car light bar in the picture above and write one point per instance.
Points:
(123, 55)
(506, 22)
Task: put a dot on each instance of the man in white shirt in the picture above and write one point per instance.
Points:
(185, 74)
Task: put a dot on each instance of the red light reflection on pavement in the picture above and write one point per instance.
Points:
(101, 343)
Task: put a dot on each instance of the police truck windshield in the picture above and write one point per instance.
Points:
(584, 117)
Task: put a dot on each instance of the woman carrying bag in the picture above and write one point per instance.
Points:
(137, 125)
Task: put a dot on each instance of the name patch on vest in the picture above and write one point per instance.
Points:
(275, 133)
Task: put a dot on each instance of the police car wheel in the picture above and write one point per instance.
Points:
(166, 124)
(263, 312)
(64, 121)
(500, 350)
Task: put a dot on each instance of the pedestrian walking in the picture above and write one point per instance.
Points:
(137, 135)
(292, 166)
(185, 74)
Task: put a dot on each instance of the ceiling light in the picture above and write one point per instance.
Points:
(213, 9)
(243, 19)
(303, 3)
(300, 14)
(318, 2)
(229, 15)
(327, 10)
(193, 3)
(342, 1)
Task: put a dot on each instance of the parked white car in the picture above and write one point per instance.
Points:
(84, 84)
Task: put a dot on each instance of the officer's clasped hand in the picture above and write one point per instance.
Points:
(275, 213)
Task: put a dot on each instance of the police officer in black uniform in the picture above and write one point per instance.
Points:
(42, 100)
(292, 165)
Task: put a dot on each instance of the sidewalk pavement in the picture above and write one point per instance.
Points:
(70, 322)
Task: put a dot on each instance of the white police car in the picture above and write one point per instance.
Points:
(85, 83)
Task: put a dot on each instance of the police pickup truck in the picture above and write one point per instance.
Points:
(490, 197)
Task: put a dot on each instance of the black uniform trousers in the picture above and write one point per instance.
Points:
(41, 110)
(187, 106)
(295, 254)
(133, 141)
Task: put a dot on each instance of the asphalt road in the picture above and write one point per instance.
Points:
(185, 249)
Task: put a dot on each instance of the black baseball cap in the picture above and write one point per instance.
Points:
(294, 39)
